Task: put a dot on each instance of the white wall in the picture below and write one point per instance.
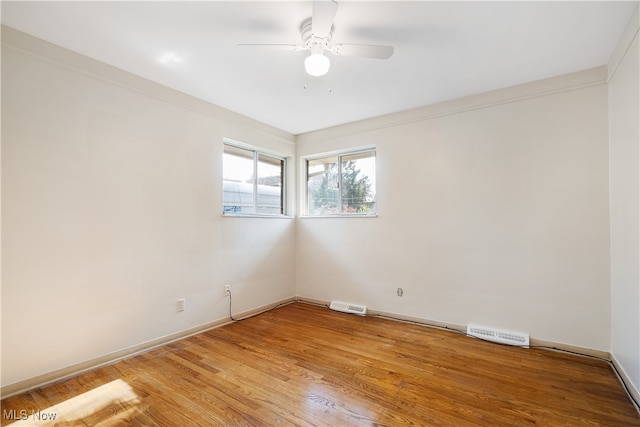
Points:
(624, 136)
(111, 211)
(491, 210)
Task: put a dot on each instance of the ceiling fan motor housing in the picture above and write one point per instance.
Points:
(310, 40)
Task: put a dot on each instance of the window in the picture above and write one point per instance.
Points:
(253, 182)
(342, 184)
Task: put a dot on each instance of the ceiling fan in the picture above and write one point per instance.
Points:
(316, 34)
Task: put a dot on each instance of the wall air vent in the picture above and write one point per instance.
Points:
(348, 308)
(495, 335)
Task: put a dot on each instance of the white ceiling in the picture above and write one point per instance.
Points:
(443, 50)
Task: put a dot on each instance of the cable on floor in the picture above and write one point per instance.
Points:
(264, 311)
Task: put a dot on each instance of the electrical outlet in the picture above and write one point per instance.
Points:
(180, 304)
(227, 290)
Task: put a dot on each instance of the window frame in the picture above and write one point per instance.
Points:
(256, 152)
(338, 155)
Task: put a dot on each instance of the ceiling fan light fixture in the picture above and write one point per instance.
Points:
(317, 64)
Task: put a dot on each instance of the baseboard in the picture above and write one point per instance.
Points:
(313, 301)
(626, 382)
(256, 311)
(463, 328)
(418, 320)
(579, 351)
(107, 359)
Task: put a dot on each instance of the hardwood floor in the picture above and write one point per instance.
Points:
(306, 365)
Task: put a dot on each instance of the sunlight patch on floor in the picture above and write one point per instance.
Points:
(106, 405)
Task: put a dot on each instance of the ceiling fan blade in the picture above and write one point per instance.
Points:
(322, 17)
(364, 50)
(293, 47)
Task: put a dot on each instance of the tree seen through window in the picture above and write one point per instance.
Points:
(343, 184)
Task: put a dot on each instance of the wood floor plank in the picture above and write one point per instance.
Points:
(307, 365)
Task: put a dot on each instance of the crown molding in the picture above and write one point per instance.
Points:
(564, 83)
(627, 38)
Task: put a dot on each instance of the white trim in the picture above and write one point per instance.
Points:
(252, 147)
(626, 380)
(626, 40)
(248, 215)
(339, 216)
(345, 152)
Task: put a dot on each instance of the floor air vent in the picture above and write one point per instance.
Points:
(503, 337)
(348, 308)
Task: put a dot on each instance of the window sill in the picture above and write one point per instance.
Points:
(340, 216)
(232, 215)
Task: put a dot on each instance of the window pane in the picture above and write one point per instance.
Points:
(238, 180)
(322, 186)
(253, 182)
(270, 173)
(358, 183)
